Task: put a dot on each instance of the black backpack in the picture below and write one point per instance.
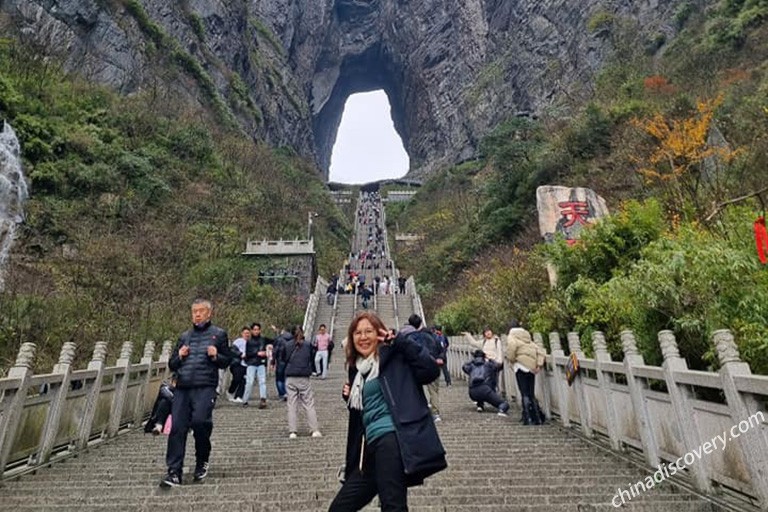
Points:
(477, 375)
(428, 341)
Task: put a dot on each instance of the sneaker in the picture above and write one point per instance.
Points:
(230, 396)
(245, 404)
(292, 435)
(437, 418)
(502, 413)
(238, 400)
(317, 433)
(170, 480)
(314, 374)
(157, 430)
(263, 403)
(479, 409)
(201, 471)
(284, 398)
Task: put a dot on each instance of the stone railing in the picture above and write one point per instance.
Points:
(312, 302)
(410, 290)
(659, 412)
(50, 416)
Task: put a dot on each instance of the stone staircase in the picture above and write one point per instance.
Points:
(495, 464)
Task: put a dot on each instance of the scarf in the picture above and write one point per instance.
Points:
(367, 368)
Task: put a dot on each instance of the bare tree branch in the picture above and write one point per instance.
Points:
(719, 207)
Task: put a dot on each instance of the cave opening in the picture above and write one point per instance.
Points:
(367, 146)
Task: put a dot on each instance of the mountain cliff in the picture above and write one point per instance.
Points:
(281, 70)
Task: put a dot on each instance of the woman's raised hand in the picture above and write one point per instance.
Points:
(385, 336)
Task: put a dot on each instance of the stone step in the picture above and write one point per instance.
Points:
(227, 504)
(494, 463)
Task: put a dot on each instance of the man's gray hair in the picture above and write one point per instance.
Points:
(202, 302)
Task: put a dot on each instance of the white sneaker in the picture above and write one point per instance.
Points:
(317, 433)
(437, 418)
(479, 409)
(502, 413)
(238, 400)
(292, 435)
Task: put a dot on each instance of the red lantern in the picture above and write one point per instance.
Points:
(761, 238)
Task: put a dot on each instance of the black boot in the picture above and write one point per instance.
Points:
(539, 412)
(533, 413)
(526, 419)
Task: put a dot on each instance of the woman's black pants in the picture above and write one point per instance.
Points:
(382, 474)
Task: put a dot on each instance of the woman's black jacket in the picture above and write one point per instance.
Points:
(404, 367)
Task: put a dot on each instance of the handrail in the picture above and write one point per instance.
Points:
(334, 311)
(612, 403)
(65, 409)
(310, 314)
(396, 313)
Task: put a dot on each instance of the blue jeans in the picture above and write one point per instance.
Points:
(321, 363)
(250, 375)
(280, 379)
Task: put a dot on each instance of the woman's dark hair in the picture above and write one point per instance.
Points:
(350, 351)
(297, 332)
(514, 323)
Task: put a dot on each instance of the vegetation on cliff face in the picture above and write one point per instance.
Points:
(138, 205)
(675, 137)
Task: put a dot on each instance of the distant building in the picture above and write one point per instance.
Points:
(290, 264)
(395, 196)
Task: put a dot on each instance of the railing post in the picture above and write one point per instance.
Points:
(58, 398)
(602, 356)
(141, 397)
(559, 378)
(680, 396)
(574, 346)
(121, 388)
(165, 356)
(97, 363)
(541, 381)
(742, 407)
(637, 387)
(9, 422)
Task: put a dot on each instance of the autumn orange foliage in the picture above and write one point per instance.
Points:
(681, 143)
(658, 84)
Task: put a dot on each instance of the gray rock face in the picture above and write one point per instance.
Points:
(452, 69)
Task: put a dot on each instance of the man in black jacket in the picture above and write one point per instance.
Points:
(481, 381)
(414, 331)
(197, 358)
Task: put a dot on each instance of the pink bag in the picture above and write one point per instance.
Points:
(167, 426)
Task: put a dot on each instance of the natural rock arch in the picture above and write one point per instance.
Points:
(452, 69)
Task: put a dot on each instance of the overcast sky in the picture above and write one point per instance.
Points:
(367, 146)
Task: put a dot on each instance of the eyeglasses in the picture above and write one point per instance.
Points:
(366, 332)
